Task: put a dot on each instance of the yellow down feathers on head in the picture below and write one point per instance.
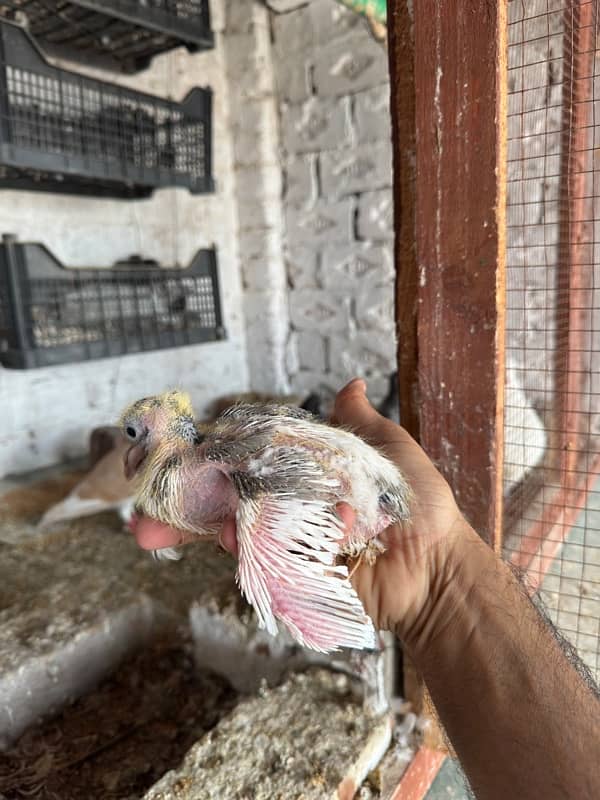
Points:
(173, 402)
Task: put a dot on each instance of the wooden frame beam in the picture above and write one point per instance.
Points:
(402, 80)
(460, 67)
(448, 104)
(451, 239)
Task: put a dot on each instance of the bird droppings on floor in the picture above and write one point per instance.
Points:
(79, 598)
(116, 741)
(82, 610)
(298, 742)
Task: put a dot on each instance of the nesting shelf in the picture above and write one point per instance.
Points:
(116, 34)
(63, 132)
(53, 315)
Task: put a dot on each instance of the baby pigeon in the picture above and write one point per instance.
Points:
(280, 473)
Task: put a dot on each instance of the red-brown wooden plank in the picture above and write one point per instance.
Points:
(448, 90)
(575, 271)
(460, 91)
(544, 539)
(419, 775)
(402, 103)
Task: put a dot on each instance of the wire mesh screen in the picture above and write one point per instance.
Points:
(552, 396)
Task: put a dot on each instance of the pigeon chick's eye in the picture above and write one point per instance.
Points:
(131, 432)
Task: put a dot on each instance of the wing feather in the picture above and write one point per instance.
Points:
(287, 570)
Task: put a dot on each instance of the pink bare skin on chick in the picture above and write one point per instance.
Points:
(153, 535)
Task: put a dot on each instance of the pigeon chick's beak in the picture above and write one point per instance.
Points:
(133, 458)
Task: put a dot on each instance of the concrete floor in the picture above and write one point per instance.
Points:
(449, 783)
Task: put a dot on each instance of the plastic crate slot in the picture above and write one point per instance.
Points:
(50, 314)
(65, 132)
(116, 34)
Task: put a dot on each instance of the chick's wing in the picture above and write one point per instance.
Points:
(287, 570)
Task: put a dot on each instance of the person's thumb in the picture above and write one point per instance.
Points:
(352, 406)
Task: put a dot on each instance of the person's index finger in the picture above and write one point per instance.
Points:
(153, 535)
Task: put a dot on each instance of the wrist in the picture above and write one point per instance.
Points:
(455, 565)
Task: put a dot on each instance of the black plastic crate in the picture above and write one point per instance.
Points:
(121, 35)
(63, 132)
(50, 314)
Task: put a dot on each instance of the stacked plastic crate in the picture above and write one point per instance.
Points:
(61, 131)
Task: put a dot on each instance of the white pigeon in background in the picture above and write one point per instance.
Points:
(103, 488)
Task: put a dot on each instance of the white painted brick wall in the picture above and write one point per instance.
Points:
(293, 80)
(372, 119)
(324, 224)
(358, 62)
(375, 309)
(316, 124)
(333, 94)
(357, 265)
(312, 351)
(302, 266)
(363, 353)
(301, 185)
(316, 23)
(376, 215)
(352, 170)
(47, 413)
(258, 248)
(284, 5)
(316, 310)
(259, 187)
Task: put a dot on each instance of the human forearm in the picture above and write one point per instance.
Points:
(523, 722)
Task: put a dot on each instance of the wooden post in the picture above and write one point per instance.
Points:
(574, 284)
(460, 78)
(448, 105)
(402, 79)
(448, 74)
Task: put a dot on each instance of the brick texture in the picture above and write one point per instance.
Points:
(325, 223)
(356, 169)
(316, 125)
(376, 215)
(357, 265)
(355, 63)
(259, 185)
(333, 95)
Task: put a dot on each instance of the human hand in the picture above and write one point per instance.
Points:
(153, 535)
(402, 587)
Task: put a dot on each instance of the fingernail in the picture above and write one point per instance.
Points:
(357, 383)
